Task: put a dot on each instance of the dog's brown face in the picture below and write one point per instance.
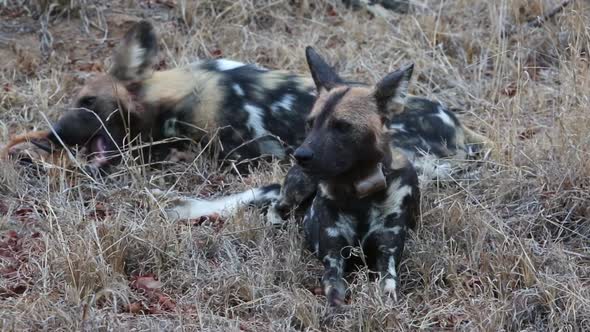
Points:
(101, 117)
(346, 132)
(104, 114)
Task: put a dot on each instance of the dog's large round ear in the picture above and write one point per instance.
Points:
(135, 56)
(391, 92)
(323, 75)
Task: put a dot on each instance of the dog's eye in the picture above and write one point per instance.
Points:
(341, 126)
(86, 102)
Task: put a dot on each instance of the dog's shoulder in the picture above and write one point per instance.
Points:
(401, 199)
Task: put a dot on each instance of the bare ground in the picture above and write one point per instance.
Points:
(509, 251)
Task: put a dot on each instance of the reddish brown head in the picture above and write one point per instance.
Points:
(346, 135)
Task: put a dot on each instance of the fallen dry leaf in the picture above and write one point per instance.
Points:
(101, 211)
(510, 90)
(90, 67)
(150, 286)
(26, 215)
(146, 283)
(214, 219)
(15, 251)
(217, 53)
(136, 308)
(528, 133)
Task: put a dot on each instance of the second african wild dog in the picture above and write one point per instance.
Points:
(356, 152)
(369, 193)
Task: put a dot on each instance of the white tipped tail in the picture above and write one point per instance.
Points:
(192, 208)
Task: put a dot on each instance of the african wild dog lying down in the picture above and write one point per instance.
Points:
(254, 111)
(251, 110)
(368, 191)
(364, 189)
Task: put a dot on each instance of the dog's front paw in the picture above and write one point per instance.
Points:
(274, 217)
(389, 286)
(335, 291)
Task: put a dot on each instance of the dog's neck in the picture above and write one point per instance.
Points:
(362, 181)
(147, 113)
(134, 89)
(371, 183)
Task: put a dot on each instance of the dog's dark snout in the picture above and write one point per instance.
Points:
(303, 155)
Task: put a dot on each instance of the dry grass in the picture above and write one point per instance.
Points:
(509, 251)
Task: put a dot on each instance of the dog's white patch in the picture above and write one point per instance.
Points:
(256, 123)
(169, 128)
(273, 217)
(309, 216)
(395, 196)
(255, 119)
(392, 204)
(137, 56)
(238, 90)
(396, 230)
(446, 119)
(325, 191)
(192, 208)
(285, 103)
(401, 93)
(334, 263)
(391, 267)
(398, 127)
(224, 64)
(311, 212)
(332, 231)
(345, 227)
(432, 168)
(390, 284)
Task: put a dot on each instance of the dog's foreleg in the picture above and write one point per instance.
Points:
(297, 188)
(388, 245)
(332, 280)
(334, 247)
(330, 237)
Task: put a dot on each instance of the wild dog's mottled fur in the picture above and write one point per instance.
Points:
(253, 110)
(368, 191)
